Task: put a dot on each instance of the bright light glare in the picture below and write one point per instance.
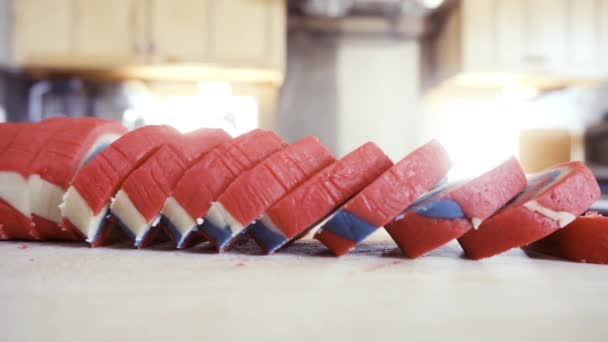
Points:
(215, 107)
(478, 136)
(514, 92)
(215, 89)
(242, 114)
(431, 4)
(130, 115)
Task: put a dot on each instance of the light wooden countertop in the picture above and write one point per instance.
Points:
(67, 292)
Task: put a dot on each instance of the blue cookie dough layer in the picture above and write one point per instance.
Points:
(349, 226)
(441, 208)
(543, 180)
(220, 235)
(102, 223)
(126, 229)
(267, 237)
(430, 196)
(177, 236)
(96, 152)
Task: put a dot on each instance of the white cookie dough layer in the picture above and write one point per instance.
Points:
(49, 196)
(178, 216)
(47, 199)
(14, 190)
(562, 217)
(123, 208)
(76, 209)
(220, 217)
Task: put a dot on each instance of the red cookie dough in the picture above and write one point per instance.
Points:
(583, 240)
(57, 163)
(86, 204)
(253, 192)
(385, 198)
(552, 199)
(15, 168)
(307, 205)
(209, 177)
(8, 132)
(138, 203)
(452, 211)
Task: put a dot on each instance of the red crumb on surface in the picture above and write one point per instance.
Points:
(381, 266)
(23, 246)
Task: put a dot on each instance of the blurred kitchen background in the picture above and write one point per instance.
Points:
(488, 78)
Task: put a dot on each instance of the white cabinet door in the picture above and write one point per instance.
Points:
(509, 34)
(568, 37)
(248, 33)
(548, 40)
(43, 31)
(582, 33)
(545, 44)
(107, 32)
(478, 35)
(602, 34)
(180, 30)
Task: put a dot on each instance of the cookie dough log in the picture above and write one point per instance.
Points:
(8, 132)
(385, 198)
(86, 204)
(552, 200)
(54, 168)
(202, 183)
(451, 211)
(24, 143)
(256, 190)
(583, 240)
(137, 205)
(307, 205)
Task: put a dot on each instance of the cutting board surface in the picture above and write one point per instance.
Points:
(66, 292)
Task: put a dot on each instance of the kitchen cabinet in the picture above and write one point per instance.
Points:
(558, 39)
(235, 33)
(76, 33)
(41, 29)
(108, 32)
(156, 37)
(248, 32)
(180, 30)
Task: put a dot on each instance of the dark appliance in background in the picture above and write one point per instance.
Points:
(75, 98)
(596, 157)
(61, 97)
(26, 99)
(14, 89)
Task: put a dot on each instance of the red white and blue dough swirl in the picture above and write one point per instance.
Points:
(553, 199)
(24, 143)
(203, 182)
(256, 190)
(449, 212)
(86, 204)
(138, 203)
(51, 173)
(385, 198)
(583, 240)
(308, 204)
